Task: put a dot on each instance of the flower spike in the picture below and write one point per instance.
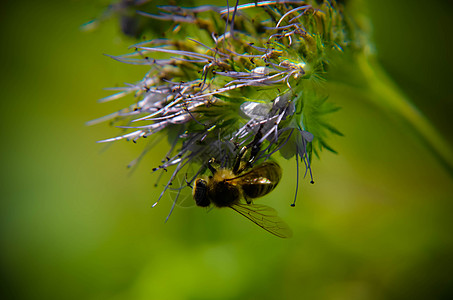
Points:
(250, 87)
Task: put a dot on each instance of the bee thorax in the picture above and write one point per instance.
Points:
(223, 194)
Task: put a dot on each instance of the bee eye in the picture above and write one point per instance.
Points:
(200, 193)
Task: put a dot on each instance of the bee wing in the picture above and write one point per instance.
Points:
(181, 187)
(265, 217)
(267, 171)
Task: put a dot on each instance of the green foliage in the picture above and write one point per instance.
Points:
(77, 225)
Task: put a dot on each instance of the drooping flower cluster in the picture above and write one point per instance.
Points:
(225, 78)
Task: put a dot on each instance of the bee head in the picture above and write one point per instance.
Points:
(200, 193)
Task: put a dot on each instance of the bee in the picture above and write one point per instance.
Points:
(226, 187)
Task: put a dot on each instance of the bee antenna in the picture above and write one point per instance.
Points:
(297, 180)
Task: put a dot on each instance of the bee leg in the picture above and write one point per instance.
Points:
(254, 153)
(255, 145)
(248, 201)
(211, 168)
(237, 164)
(237, 169)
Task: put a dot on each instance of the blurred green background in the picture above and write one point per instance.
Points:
(76, 225)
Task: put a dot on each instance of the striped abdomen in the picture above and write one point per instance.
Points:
(260, 181)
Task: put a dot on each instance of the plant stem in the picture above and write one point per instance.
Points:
(387, 96)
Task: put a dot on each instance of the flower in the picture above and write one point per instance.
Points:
(230, 79)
